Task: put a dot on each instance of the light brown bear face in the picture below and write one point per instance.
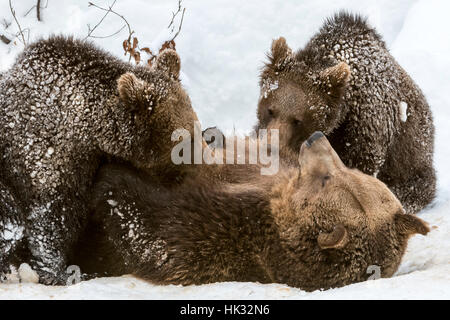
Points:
(297, 100)
(338, 221)
(159, 106)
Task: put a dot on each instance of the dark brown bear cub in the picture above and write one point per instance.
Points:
(345, 83)
(66, 107)
(320, 226)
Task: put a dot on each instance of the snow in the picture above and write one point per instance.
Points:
(403, 111)
(267, 87)
(222, 45)
(112, 202)
(11, 232)
(27, 274)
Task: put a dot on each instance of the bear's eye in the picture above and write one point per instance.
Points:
(325, 179)
(270, 112)
(297, 123)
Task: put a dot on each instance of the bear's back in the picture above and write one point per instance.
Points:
(58, 55)
(52, 76)
(52, 102)
(378, 83)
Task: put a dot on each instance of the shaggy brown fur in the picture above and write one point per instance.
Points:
(65, 108)
(320, 226)
(345, 83)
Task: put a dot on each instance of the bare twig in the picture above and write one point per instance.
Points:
(18, 24)
(179, 27)
(38, 10)
(109, 10)
(131, 44)
(181, 10)
(111, 35)
(101, 20)
(29, 10)
(4, 39)
(174, 14)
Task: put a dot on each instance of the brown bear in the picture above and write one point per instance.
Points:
(315, 227)
(345, 83)
(66, 107)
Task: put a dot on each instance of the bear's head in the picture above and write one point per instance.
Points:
(157, 105)
(339, 225)
(300, 95)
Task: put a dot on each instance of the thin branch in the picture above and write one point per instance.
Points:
(38, 10)
(101, 20)
(109, 10)
(130, 45)
(109, 36)
(179, 27)
(29, 10)
(17, 21)
(174, 14)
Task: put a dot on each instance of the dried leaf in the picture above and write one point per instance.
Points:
(135, 42)
(146, 49)
(126, 45)
(168, 45)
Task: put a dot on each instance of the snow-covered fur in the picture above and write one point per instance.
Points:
(11, 226)
(65, 108)
(320, 226)
(345, 83)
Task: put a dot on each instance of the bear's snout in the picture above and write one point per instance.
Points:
(317, 155)
(312, 138)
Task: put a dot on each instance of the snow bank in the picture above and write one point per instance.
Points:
(222, 46)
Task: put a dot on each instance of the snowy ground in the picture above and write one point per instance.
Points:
(222, 46)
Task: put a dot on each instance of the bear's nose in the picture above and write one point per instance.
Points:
(317, 155)
(312, 138)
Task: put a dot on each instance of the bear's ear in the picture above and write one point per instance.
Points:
(131, 90)
(168, 62)
(408, 224)
(336, 239)
(335, 79)
(280, 54)
(136, 93)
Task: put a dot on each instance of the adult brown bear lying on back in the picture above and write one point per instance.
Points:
(345, 83)
(320, 226)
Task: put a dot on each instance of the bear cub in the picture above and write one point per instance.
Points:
(345, 83)
(66, 107)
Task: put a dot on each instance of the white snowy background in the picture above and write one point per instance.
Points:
(222, 46)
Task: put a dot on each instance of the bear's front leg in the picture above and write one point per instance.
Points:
(52, 230)
(360, 151)
(12, 227)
